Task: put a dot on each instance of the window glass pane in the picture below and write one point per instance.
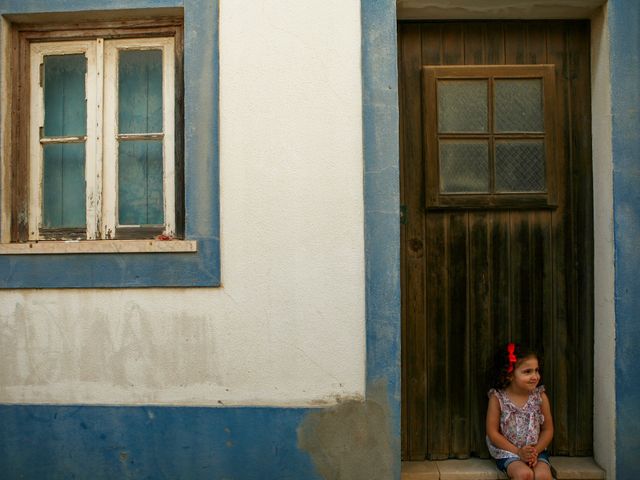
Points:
(520, 166)
(63, 198)
(140, 91)
(65, 106)
(518, 105)
(140, 197)
(464, 166)
(462, 106)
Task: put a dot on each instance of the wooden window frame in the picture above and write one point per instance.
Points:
(18, 205)
(434, 198)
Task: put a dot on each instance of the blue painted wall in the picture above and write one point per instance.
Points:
(49, 442)
(56, 441)
(382, 203)
(624, 27)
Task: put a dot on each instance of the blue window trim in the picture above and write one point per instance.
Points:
(201, 157)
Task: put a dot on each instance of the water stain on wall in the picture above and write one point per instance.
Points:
(351, 441)
(46, 343)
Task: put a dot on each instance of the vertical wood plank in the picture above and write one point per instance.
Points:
(179, 130)
(515, 43)
(436, 416)
(432, 44)
(480, 327)
(458, 336)
(494, 41)
(500, 286)
(542, 292)
(474, 44)
(20, 170)
(582, 228)
(439, 411)
(404, 370)
(562, 367)
(519, 317)
(478, 316)
(453, 44)
(453, 54)
(412, 176)
(536, 43)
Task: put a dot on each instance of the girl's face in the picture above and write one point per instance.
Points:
(526, 375)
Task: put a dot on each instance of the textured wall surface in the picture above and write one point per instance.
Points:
(287, 325)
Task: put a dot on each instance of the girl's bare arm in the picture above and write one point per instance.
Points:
(546, 429)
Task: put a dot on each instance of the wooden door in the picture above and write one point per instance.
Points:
(474, 276)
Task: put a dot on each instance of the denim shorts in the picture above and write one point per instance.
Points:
(503, 463)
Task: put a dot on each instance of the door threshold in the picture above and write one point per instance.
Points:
(563, 468)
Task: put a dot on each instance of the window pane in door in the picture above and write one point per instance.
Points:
(63, 198)
(520, 166)
(140, 177)
(518, 105)
(462, 106)
(140, 91)
(65, 106)
(464, 166)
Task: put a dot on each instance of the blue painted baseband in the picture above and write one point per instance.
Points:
(66, 442)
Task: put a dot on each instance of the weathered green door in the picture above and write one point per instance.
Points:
(484, 263)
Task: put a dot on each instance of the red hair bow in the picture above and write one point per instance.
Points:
(511, 348)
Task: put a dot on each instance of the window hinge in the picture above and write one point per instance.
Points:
(403, 214)
(41, 74)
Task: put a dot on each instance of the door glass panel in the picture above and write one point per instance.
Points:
(65, 106)
(462, 106)
(520, 166)
(140, 91)
(140, 175)
(464, 166)
(518, 105)
(63, 199)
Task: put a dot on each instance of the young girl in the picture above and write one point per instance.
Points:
(519, 422)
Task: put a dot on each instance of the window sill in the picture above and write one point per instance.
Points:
(98, 246)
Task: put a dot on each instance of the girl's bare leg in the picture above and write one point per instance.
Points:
(542, 471)
(519, 470)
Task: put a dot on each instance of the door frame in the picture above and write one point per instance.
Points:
(602, 163)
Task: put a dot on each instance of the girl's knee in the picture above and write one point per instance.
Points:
(543, 472)
(521, 472)
(523, 475)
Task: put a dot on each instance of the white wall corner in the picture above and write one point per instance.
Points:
(604, 268)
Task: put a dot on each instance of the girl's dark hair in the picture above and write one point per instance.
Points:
(500, 372)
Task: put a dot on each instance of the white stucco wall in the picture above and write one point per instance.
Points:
(604, 401)
(288, 325)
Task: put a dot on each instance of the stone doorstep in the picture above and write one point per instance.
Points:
(576, 468)
(563, 468)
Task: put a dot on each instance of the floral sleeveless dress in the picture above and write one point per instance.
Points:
(521, 426)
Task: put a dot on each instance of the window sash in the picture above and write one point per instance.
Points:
(101, 139)
(110, 225)
(36, 143)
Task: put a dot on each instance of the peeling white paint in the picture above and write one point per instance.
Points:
(288, 325)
